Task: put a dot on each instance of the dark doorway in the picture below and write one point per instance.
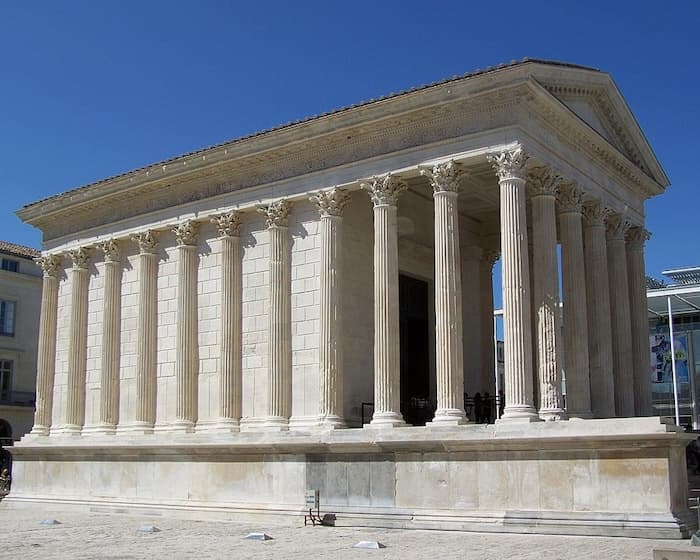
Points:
(415, 350)
(5, 432)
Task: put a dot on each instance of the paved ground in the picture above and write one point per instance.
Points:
(83, 535)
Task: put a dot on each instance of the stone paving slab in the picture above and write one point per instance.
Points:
(114, 536)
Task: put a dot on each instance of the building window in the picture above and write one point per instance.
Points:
(5, 379)
(9, 265)
(7, 318)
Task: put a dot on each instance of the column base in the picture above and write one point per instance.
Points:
(182, 426)
(135, 428)
(448, 417)
(39, 431)
(72, 430)
(331, 422)
(274, 424)
(107, 429)
(553, 414)
(221, 425)
(386, 420)
(525, 414)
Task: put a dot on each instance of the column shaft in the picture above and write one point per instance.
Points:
(331, 204)
(546, 295)
(516, 288)
(449, 357)
(599, 329)
(230, 380)
(187, 360)
(111, 338)
(576, 363)
(77, 345)
(620, 310)
(387, 375)
(639, 320)
(146, 334)
(46, 357)
(279, 388)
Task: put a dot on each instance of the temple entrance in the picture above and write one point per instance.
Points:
(414, 333)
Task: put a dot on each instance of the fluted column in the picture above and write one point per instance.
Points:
(230, 379)
(279, 354)
(636, 238)
(510, 169)
(46, 357)
(543, 186)
(620, 313)
(146, 333)
(598, 297)
(77, 344)
(187, 357)
(111, 336)
(488, 352)
(576, 363)
(449, 361)
(331, 204)
(384, 192)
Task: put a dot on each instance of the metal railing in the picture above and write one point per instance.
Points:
(18, 398)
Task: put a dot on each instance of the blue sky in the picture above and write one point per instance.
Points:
(91, 89)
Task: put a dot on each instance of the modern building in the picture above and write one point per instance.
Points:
(212, 325)
(675, 383)
(20, 300)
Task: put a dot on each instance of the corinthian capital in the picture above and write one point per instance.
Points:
(509, 164)
(49, 264)
(229, 225)
(385, 189)
(615, 225)
(276, 213)
(146, 240)
(542, 181)
(570, 198)
(80, 257)
(111, 250)
(331, 202)
(594, 213)
(186, 233)
(444, 177)
(637, 236)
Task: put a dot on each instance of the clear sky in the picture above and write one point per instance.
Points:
(90, 89)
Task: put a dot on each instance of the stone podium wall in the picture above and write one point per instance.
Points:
(546, 478)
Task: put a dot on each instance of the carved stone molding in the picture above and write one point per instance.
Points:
(80, 257)
(146, 240)
(637, 236)
(49, 264)
(276, 213)
(542, 181)
(186, 233)
(111, 249)
(228, 225)
(594, 213)
(509, 164)
(384, 190)
(570, 198)
(444, 177)
(331, 202)
(615, 225)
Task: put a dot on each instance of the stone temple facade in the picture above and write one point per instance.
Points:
(213, 327)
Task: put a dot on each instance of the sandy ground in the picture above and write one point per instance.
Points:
(113, 536)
